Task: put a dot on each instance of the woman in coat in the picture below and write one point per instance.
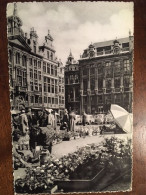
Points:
(72, 118)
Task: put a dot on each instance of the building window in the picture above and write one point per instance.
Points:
(56, 100)
(62, 89)
(17, 58)
(40, 87)
(49, 100)
(52, 100)
(35, 64)
(24, 79)
(117, 98)
(126, 66)
(56, 88)
(55, 71)
(31, 73)
(40, 100)
(52, 71)
(52, 83)
(49, 90)
(71, 79)
(36, 99)
(39, 73)
(126, 81)
(117, 82)
(35, 74)
(48, 68)
(19, 77)
(108, 83)
(45, 84)
(59, 89)
(39, 64)
(60, 100)
(44, 67)
(76, 79)
(30, 61)
(117, 66)
(51, 56)
(24, 61)
(45, 99)
(100, 83)
(32, 99)
(108, 68)
(92, 83)
(36, 86)
(48, 54)
(31, 86)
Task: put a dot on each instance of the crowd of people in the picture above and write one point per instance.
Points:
(31, 130)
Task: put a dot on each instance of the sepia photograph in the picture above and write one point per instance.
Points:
(71, 96)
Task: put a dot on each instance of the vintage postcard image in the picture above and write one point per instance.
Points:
(71, 94)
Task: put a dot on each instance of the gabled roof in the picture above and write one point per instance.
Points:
(20, 42)
(110, 42)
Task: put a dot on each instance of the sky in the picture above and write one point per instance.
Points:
(75, 25)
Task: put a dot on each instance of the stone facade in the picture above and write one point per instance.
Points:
(72, 84)
(34, 70)
(105, 73)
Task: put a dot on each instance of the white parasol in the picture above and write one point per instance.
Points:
(122, 117)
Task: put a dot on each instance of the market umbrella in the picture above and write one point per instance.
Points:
(122, 117)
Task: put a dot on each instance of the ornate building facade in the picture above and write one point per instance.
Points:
(106, 72)
(34, 70)
(72, 84)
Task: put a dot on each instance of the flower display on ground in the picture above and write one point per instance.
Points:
(113, 153)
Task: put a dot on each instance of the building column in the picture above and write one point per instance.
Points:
(104, 91)
(81, 91)
(112, 87)
(96, 87)
(89, 94)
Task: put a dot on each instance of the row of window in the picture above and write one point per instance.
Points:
(72, 79)
(21, 77)
(108, 70)
(50, 69)
(117, 99)
(52, 100)
(108, 83)
(49, 100)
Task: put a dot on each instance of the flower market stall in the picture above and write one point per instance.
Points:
(81, 170)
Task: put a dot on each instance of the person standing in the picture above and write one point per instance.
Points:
(24, 122)
(72, 118)
(84, 120)
(29, 118)
(51, 119)
(65, 121)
